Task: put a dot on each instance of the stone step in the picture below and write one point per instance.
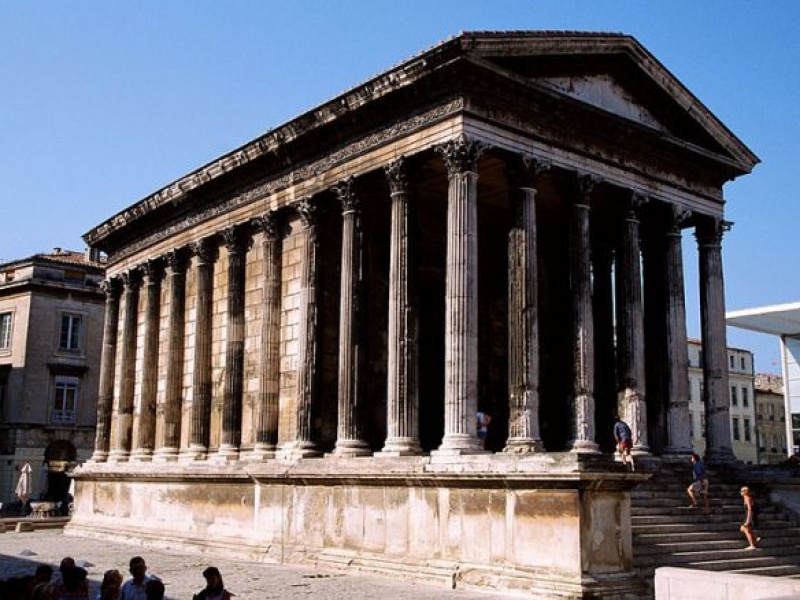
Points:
(730, 541)
(728, 509)
(696, 516)
(719, 560)
(680, 527)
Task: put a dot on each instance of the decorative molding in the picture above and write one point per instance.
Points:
(397, 175)
(258, 191)
(347, 196)
(461, 155)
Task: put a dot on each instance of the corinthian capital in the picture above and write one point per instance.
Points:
(205, 250)
(461, 155)
(111, 287)
(308, 213)
(347, 196)
(397, 174)
(269, 224)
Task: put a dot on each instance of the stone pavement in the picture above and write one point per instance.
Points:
(20, 552)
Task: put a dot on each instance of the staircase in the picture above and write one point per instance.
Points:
(668, 533)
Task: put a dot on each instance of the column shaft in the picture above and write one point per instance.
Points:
(269, 377)
(205, 254)
(523, 319)
(144, 423)
(679, 438)
(630, 329)
(583, 323)
(233, 391)
(168, 443)
(715, 347)
(461, 297)
(349, 440)
(402, 412)
(108, 359)
(122, 441)
(302, 445)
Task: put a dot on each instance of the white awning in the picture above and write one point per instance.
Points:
(778, 319)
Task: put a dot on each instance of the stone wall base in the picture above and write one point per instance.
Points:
(549, 526)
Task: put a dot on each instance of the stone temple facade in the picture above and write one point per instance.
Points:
(299, 334)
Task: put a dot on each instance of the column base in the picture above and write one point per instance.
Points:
(297, 449)
(400, 446)
(116, 456)
(260, 452)
(523, 446)
(459, 443)
(678, 451)
(349, 448)
(193, 453)
(99, 456)
(163, 455)
(225, 453)
(141, 455)
(640, 450)
(585, 447)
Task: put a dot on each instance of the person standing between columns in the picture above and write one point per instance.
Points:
(461, 157)
(709, 231)
(108, 360)
(630, 326)
(583, 324)
(349, 438)
(402, 412)
(523, 317)
(269, 378)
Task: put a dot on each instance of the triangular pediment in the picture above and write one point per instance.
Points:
(603, 92)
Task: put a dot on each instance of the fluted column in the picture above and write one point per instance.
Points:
(266, 417)
(523, 316)
(630, 328)
(144, 419)
(121, 442)
(679, 438)
(402, 412)
(709, 233)
(461, 296)
(205, 252)
(349, 439)
(302, 444)
(236, 242)
(108, 360)
(583, 322)
(169, 431)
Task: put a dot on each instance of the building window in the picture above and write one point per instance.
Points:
(733, 361)
(743, 363)
(703, 424)
(699, 358)
(736, 435)
(66, 399)
(71, 330)
(746, 430)
(745, 398)
(734, 398)
(691, 428)
(5, 331)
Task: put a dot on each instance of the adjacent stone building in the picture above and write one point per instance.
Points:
(51, 327)
(770, 419)
(742, 410)
(299, 334)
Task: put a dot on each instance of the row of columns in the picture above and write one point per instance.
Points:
(135, 438)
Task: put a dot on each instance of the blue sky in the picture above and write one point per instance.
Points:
(103, 103)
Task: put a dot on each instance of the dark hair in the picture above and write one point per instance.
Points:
(695, 456)
(135, 561)
(45, 571)
(154, 589)
(73, 578)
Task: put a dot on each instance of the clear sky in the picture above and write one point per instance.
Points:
(103, 103)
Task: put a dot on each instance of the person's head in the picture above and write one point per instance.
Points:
(75, 579)
(43, 574)
(66, 563)
(617, 418)
(745, 491)
(213, 578)
(695, 458)
(138, 568)
(112, 582)
(154, 589)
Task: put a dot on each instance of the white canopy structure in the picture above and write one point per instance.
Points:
(782, 320)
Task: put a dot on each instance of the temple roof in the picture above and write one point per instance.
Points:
(611, 72)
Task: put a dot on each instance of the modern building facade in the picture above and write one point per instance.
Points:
(51, 327)
(770, 419)
(742, 412)
(299, 334)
